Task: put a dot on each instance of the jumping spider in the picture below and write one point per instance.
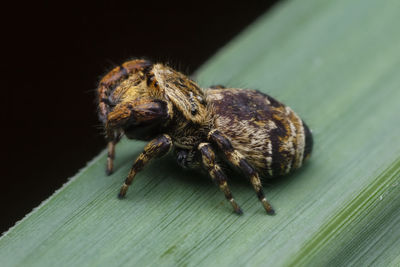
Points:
(249, 130)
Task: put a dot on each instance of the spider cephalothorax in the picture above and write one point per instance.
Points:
(250, 130)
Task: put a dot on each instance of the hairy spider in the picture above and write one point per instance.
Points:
(249, 130)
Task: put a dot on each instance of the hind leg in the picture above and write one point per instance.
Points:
(238, 160)
(217, 175)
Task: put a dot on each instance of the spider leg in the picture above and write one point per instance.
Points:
(154, 149)
(238, 160)
(142, 111)
(111, 151)
(218, 177)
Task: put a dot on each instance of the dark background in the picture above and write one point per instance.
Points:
(53, 56)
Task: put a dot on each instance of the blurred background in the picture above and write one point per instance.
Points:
(54, 56)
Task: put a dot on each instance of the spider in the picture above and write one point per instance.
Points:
(205, 128)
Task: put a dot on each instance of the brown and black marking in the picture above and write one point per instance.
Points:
(252, 131)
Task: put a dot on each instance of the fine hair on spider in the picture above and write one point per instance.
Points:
(249, 130)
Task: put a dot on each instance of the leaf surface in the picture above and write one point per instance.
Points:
(337, 65)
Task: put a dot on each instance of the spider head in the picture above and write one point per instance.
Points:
(120, 83)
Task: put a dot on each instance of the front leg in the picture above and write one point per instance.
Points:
(238, 160)
(111, 151)
(154, 149)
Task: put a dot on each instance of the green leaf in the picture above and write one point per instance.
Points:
(336, 63)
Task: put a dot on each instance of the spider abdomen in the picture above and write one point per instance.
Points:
(271, 136)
